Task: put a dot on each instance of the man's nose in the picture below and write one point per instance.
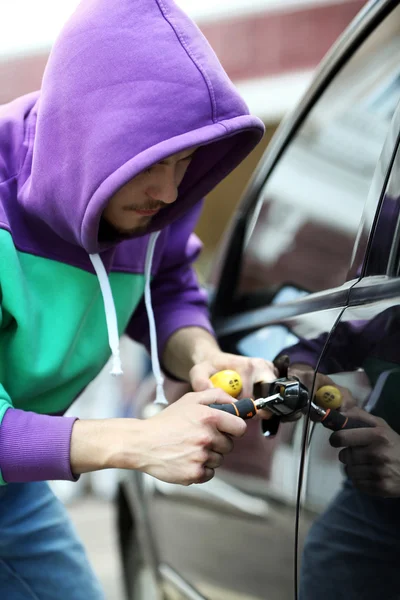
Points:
(164, 187)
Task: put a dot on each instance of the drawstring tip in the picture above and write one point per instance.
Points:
(116, 367)
(160, 396)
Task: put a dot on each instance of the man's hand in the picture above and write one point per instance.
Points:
(187, 441)
(251, 370)
(193, 354)
(183, 444)
(306, 374)
(371, 456)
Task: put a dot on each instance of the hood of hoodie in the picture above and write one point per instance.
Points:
(127, 84)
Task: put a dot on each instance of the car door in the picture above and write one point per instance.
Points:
(284, 275)
(362, 355)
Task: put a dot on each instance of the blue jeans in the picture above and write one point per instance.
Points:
(41, 557)
(352, 551)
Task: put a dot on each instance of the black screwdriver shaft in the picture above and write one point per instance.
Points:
(245, 408)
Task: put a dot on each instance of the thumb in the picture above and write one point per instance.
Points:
(211, 396)
(199, 377)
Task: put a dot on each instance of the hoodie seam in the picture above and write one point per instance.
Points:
(202, 72)
(29, 136)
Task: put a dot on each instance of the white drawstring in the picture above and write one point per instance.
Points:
(111, 315)
(155, 363)
(112, 323)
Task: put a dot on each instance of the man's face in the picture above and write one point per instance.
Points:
(132, 207)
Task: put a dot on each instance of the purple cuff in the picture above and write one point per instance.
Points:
(35, 447)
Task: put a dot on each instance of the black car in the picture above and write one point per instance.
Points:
(309, 268)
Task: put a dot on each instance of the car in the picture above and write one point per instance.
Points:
(309, 267)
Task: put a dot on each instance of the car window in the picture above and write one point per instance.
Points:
(383, 255)
(313, 201)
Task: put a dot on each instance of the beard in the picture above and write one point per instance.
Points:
(108, 233)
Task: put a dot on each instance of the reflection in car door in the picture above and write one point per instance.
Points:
(357, 524)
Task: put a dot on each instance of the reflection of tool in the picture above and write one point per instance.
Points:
(335, 420)
(287, 396)
(328, 396)
(327, 399)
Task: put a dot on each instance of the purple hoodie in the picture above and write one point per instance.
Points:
(127, 84)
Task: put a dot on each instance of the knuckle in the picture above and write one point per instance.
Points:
(208, 417)
(197, 473)
(203, 456)
(381, 435)
(384, 458)
(205, 439)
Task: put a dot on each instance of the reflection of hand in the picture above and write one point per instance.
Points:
(371, 455)
(306, 375)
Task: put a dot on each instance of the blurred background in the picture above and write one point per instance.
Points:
(270, 49)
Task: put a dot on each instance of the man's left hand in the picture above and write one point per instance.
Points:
(371, 456)
(251, 370)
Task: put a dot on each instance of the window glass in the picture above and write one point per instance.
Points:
(314, 199)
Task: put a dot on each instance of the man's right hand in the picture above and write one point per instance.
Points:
(183, 444)
(187, 441)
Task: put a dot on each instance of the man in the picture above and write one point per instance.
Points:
(101, 179)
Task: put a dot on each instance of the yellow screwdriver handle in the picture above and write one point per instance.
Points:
(229, 381)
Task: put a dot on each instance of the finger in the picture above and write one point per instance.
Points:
(265, 414)
(260, 371)
(282, 365)
(214, 461)
(210, 396)
(229, 424)
(199, 376)
(352, 438)
(360, 456)
(348, 401)
(362, 415)
(208, 474)
(222, 443)
(371, 487)
(358, 437)
(364, 472)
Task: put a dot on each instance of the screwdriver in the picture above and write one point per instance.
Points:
(328, 398)
(246, 408)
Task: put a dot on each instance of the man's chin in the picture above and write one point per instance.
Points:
(108, 232)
